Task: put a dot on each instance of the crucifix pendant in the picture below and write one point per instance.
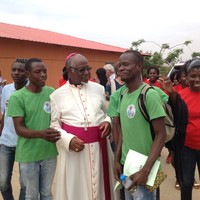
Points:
(85, 125)
(85, 128)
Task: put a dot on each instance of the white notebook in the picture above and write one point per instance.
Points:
(134, 162)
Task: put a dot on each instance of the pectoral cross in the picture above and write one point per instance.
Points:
(86, 124)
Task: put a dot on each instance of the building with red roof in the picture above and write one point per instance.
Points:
(25, 42)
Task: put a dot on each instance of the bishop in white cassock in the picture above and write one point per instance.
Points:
(85, 160)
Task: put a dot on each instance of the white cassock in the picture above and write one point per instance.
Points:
(80, 174)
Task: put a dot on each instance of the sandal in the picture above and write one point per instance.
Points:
(196, 185)
(177, 186)
(168, 159)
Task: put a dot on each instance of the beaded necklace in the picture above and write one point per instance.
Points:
(84, 108)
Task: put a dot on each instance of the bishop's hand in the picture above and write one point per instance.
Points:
(105, 129)
(76, 144)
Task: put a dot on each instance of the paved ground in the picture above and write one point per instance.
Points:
(168, 192)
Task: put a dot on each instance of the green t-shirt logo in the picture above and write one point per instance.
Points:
(47, 107)
(130, 111)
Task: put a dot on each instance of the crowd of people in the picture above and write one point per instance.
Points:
(85, 128)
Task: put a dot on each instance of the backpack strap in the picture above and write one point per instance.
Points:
(112, 86)
(142, 106)
(142, 102)
(123, 93)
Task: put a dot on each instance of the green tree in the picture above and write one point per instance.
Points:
(136, 44)
(158, 58)
(173, 56)
(195, 54)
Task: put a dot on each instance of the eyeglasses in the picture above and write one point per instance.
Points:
(82, 69)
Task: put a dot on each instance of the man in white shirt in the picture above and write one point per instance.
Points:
(110, 71)
(8, 136)
(2, 83)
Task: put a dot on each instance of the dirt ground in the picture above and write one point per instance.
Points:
(168, 191)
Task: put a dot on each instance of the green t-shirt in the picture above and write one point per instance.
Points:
(35, 109)
(164, 97)
(115, 100)
(136, 133)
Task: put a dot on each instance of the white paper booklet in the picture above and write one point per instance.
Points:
(134, 162)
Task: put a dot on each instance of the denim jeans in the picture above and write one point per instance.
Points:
(189, 159)
(7, 158)
(38, 178)
(140, 194)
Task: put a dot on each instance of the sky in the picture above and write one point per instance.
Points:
(113, 22)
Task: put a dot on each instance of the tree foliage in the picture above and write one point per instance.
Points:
(157, 58)
(136, 44)
(195, 54)
(173, 56)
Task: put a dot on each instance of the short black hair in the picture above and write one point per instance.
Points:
(138, 57)
(155, 68)
(28, 64)
(20, 60)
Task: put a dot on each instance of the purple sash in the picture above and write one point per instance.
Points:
(93, 134)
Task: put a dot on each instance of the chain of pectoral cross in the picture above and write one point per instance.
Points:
(86, 122)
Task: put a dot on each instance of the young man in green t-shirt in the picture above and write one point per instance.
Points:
(133, 131)
(35, 151)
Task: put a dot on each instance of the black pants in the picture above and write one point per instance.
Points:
(188, 159)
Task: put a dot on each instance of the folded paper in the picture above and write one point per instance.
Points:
(134, 163)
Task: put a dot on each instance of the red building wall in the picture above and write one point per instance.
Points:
(52, 55)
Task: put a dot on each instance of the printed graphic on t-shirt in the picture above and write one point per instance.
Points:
(47, 107)
(130, 111)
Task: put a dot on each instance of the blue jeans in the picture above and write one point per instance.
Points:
(140, 194)
(189, 159)
(38, 178)
(7, 158)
